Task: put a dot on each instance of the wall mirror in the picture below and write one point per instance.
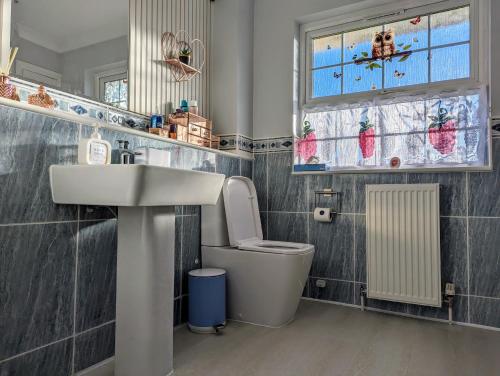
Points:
(79, 47)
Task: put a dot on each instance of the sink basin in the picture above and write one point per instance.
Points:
(146, 197)
(133, 185)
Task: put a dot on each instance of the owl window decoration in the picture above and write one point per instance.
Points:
(434, 129)
(400, 54)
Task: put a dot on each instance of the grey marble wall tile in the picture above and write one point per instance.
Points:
(184, 309)
(96, 286)
(97, 212)
(37, 272)
(484, 257)
(198, 160)
(29, 145)
(94, 346)
(454, 253)
(343, 184)
(452, 190)
(337, 291)
(459, 310)
(177, 311)
(53, 360)
(286, 192)
(260, 179)
(379, 304)
(227, 165)
(289, 227)
(360, 248)
(484, 311)
(334, 248)
(246, 168)
(364, 179)
(192, 210)
(263, 222)
(191, 251)
(178, 257)
(484, 200)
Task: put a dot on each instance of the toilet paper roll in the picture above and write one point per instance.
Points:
(322, 215)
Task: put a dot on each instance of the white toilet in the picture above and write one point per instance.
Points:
(265, 279)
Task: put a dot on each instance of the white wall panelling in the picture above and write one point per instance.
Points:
(151, 85)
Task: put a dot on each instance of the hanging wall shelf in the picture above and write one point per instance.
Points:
(177, 47)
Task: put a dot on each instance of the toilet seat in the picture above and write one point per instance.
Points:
(243, 221)
(276, 247)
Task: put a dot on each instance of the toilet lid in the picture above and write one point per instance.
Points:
(242, 210)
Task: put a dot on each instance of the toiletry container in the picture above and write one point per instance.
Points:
(193, 107)
(152, 157)
(94, 150)
(207, 300)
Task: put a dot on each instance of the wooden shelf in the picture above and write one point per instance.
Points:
(182, 72)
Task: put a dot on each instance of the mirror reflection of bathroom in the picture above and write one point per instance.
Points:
(79, 47)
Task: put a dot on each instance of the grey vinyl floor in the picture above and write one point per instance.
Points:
(333, 340)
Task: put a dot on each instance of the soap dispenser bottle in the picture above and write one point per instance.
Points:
(94, 150)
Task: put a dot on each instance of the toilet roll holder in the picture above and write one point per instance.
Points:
(327, 193)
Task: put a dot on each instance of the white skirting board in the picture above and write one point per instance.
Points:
(104, 368)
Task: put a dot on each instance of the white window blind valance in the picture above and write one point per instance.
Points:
(439, 130)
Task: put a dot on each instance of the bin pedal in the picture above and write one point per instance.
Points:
(218, 329)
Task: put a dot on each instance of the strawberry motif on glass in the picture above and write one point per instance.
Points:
(443, 131)
(306, 146)
(366, 138)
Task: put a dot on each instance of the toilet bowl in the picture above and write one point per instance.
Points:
(265, 279)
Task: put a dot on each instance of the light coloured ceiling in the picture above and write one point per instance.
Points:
(65, 25)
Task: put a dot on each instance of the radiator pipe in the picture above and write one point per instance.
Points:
(362, 294)
(449, 300)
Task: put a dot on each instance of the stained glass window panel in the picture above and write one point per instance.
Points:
(394, 55)
(450, 63)
(450, 27)
(327, 82)
(413, 70)
(358, 79)
(410, 35)
(327, 51)
(358, 44)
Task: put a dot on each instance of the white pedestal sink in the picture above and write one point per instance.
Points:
(146, 196)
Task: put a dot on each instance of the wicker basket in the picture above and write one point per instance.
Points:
(7, 90)
(41, 99)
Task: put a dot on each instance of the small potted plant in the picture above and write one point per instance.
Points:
(185, 52)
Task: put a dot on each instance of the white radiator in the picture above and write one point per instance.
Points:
(403, 254)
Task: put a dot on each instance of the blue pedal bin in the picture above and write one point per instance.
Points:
(207, 300)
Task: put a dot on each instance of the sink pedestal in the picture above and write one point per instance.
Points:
(146, 197)
(145, 291)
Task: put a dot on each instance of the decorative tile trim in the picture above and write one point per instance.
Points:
(228, 142)
(83, 107)
(236, 142)
(273, 145)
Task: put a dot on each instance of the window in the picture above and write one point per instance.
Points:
(399, 91)
(114, 90)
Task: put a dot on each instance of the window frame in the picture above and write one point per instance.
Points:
(373, 16)
(107, 77)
